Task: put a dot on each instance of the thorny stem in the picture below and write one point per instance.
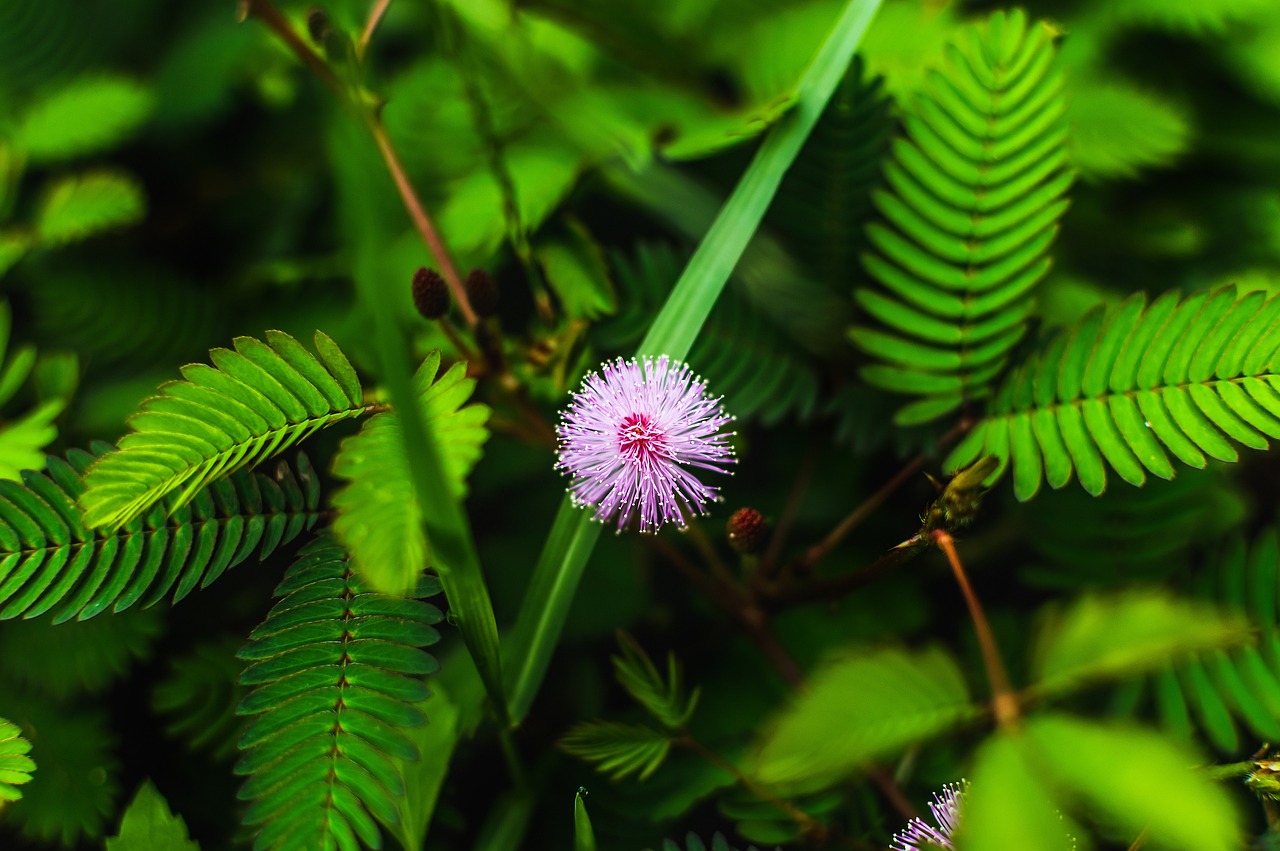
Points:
(819, 550)
(269, 15)
(1003, 698)
(812, 829)
(375, 17)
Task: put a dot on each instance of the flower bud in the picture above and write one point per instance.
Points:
(747, 531)
(482, 293)
(430, 293)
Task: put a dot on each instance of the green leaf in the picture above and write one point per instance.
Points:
(335, 673)
(379, 519)
(619, 750)
(13, 247)
(1133, 384)
(76, 658)
(1007, 803)
(77, 207)
(1137, 781)
(424, 777)
(22, 441)
(975, 191)
(1120, 635)
(859, 708)
(253, 404)
(55, 563)
(575, 269)
(198, 697)
(568, 546)
(1190, 16)
(664, 699)
(1118, 129)
(148, 825)
(85, 116)
(584, 838)
(15, 766)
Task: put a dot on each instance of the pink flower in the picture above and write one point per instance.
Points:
(945, 808)
(631, 435)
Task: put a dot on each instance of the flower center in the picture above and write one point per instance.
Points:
(640, 439)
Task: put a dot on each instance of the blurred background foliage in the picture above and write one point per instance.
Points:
(171, 178)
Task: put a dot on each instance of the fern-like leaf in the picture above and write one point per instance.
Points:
(618, 750)
(334, 673)
(15, 766)
(76, 658)
(975, 193)
(740, 354)
(149, 825)
(1212, 691)
(199, 698)
(76, 208)
(1132, 385)
(253, 403)
(51, 561)
(692, 842)
(379, 519)
(664, 698)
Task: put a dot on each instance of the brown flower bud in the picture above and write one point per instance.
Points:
(430, 293)
(482, 293)
(747, 531)
(318, 26)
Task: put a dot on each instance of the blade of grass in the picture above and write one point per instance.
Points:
(447, 530)
(564, 556)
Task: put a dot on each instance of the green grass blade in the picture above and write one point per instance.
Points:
(448, 532)
(564, 556)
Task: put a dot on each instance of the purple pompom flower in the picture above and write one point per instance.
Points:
(945, 808)
(631, 435)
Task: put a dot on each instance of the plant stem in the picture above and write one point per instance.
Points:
(893, 794)
(1004, 700)
(1140, 841)
(375, 17)
(421, 221)
(818, 551)
(830, 590)
(811, 828)
(268, 14)
(769, 562)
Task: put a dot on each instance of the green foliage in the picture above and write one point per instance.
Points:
(1136, 780)
(77, 656)
(148, 825)
(380, 521)
(1008, 803)
(858, 708)
(198, 698)
(73, 792)
(575, 268)
(1193, 374)
(22, 439)
(826, 197)
(665, 699)
(78, 207)
(584, 838)
(334, 673)
(975, 193)
(693, 843)
(1190, 16)
(1209, 690)
(618, 749)
(252, 404)
(1118, 129)
(85, 116)
(734, 350)
(52, 562)
(424, 777)
(1116, 636)
(16, 767)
